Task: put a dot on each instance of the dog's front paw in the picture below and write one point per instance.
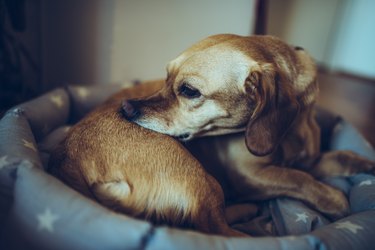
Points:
(333, 204)
(355, 163)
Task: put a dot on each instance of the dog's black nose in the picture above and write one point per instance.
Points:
(183, 136)
(129, 109)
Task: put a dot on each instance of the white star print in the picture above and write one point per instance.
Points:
(3, 161)
(349, 226)
(302, 217)
(365, 183)
(16, 112)
(27, 164)
(46, 220)
(292, 237)
(338, 127)
(29, 145)
(57, 100)
(83, 92)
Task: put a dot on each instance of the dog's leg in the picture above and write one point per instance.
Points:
(209, 215)
(341, 163)
(238, 212)
(212, 220)
(112, 194)
(273, 181)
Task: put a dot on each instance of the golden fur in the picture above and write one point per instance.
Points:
(137, 171)
(222, 85)
(258, 84)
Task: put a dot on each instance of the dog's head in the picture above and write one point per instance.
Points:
(226, 84)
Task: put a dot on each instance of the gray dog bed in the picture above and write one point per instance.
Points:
(37, 211)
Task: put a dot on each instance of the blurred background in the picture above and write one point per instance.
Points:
(46, 44)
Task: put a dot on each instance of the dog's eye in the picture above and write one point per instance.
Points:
(189, 92)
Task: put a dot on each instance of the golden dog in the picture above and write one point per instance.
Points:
(258, 84)
(137, 171)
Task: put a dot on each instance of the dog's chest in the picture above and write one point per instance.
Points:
(295, 153)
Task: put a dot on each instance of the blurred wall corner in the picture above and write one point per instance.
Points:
(304, 23)
(123, 40)
(76, 41)
(339, 34)
(260, 17)
(352, 48)
(106, 41)
(148, 34)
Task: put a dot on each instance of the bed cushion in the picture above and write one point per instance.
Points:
(37, 211)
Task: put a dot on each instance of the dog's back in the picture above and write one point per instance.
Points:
(139, 172)
(108, 159)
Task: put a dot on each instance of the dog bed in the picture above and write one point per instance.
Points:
(37, 211)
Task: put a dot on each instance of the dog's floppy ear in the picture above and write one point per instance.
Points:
(276, 108)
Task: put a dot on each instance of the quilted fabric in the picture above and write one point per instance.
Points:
(37, 211)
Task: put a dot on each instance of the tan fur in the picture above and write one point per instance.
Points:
(267, 88)
(137, 171)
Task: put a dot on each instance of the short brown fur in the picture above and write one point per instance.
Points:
(274, 104)
(137, 171)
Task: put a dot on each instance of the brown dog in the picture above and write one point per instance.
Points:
(260, 85)
(139, 172)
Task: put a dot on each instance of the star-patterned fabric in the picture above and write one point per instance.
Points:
(46, 220)
(37, 211)
(348, 225)
(302, 217)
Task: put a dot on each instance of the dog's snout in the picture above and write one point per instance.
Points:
(130, 110)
